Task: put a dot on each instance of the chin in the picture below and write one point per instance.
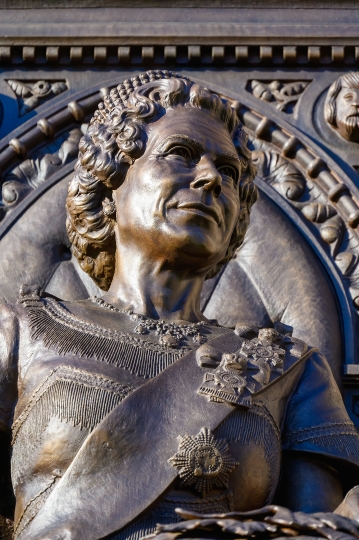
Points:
(349, 130)
(196, 240)
(201, 254)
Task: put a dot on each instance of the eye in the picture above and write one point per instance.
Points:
(229, 171)
(348, 96)
(181, 151)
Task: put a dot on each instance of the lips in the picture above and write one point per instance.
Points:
(202, 208)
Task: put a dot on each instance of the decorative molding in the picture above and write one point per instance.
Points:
(40, 131)
(308, 4)
(328, 204)
(183, 54)
(321, 196)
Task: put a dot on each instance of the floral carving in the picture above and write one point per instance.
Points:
(318, 212)
(289, 181)
(284, 95)
(272, 521)
(32, 94)
(33, 172)
(309, 199)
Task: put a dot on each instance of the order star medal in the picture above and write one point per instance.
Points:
(203, 461)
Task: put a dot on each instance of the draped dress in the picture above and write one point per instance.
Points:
(66, 365)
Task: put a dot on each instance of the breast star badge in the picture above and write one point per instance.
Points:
(264, 356)
(203, 461)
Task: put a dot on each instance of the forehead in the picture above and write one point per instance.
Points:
(194, 123)
(347, 87)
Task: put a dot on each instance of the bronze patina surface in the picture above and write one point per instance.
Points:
(134, 402)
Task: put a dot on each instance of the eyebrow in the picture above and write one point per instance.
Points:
(193, 142)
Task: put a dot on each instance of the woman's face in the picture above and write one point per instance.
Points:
(180, 200)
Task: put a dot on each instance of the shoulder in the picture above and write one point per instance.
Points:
(316, 418)
(275, 346)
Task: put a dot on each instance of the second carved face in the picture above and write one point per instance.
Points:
(341, 108)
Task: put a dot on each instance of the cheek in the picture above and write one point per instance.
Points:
(232, 208)
(343, 109)
(145, 191)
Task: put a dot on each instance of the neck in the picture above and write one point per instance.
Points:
(151, 288)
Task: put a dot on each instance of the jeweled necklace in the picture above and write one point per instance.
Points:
(170, 334)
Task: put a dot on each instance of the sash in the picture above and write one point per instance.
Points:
(122, 468)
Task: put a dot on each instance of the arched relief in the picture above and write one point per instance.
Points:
(35, 171)
(307, 186)
(304, 194)
(327, 204)
(41, 148)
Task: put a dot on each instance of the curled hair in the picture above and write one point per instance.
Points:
(115, 139)
(349, 80)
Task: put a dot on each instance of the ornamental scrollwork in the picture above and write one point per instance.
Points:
(307, 197)
(282, 94)
(32, 94)
(31, 173)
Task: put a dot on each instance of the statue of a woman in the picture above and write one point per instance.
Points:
(133, 404)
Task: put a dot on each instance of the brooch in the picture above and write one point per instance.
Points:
(203, 461)
(235, 377)
(228, 381)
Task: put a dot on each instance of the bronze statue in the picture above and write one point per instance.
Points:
(341, 108)
(133, 404)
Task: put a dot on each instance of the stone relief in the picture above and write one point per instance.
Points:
(341, 108)
(306, 195)
(203, 461)
(282, 94)
(32, 94)
(277, 171)
(33, 172)
(119, 420)
(133, 385)
(291, 183)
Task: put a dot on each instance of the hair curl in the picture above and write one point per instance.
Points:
(349, 80)
(115, 139)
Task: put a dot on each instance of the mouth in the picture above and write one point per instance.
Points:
(201, 209)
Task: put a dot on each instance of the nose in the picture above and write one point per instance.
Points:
(207, 177)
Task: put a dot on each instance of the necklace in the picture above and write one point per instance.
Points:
(169, 334)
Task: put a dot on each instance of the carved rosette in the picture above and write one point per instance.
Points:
(203, 461)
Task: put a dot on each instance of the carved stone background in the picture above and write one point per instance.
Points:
(306, 223)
